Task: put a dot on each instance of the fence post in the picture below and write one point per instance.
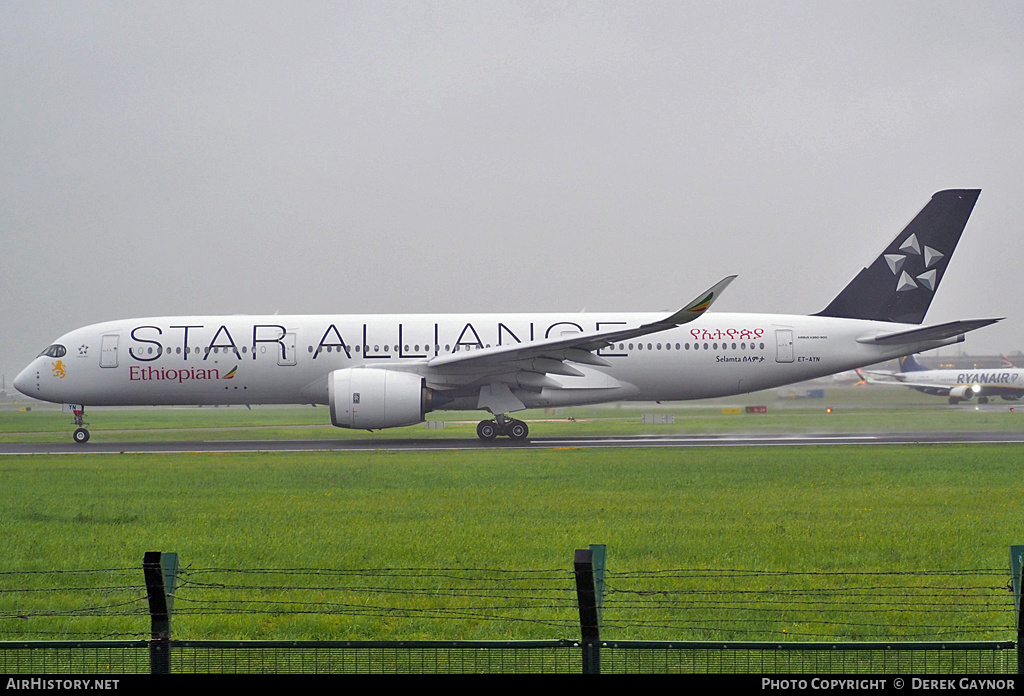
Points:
(159, 570)
(600, 564)
(586, 598)
(1016, 571)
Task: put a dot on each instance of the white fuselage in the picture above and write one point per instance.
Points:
(288, 359)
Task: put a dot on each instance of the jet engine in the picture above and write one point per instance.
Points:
(963, 392)
(369, 398)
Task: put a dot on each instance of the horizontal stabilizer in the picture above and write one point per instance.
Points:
(935, 332)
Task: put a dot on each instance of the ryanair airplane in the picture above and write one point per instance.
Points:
(386, 371)
(958, 385)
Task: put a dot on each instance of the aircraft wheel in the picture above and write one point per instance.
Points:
(518, 430)
(953, 400)
(81, 436)
(982, 399)
(487, 430)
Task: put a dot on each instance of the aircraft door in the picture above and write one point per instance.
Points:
(784, 345)
(108, 350)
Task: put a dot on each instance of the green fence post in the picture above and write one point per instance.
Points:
(159, 570)
(586, 598)
(600, 563)
(1016, 568)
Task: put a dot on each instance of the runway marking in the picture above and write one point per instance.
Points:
(656, 441)
(725, 440)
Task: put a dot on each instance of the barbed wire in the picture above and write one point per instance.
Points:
(699, 602)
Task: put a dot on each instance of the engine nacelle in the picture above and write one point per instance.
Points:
(965, 392)
(368, 398)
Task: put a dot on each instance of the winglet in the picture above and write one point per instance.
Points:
(699, 305)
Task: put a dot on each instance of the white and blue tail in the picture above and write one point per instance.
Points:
(910, 364)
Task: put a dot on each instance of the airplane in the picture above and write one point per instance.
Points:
(958, 385)
(383, 371)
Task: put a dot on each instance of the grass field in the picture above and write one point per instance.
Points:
(829, 510)
(492, 533)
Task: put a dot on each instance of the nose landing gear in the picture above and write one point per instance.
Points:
(502, 425)
(81, 434)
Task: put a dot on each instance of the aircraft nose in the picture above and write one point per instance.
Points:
(23, 382)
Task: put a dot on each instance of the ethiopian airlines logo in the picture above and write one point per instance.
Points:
(58, 369)
(138, 373)
(702, 304)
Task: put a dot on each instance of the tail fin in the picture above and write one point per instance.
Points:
(899, 285)
(909, 364)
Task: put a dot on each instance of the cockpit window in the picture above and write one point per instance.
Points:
(55, 351)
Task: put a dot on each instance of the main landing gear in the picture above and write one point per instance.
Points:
(502, 425)
(81, 434)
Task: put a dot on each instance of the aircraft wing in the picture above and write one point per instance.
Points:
(935, 332)
(877, 376)
(934, 389)
(549, 355)
(901, 380)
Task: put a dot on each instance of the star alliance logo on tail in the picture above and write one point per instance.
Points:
(899, 264)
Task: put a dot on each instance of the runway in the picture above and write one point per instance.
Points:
(639, 441)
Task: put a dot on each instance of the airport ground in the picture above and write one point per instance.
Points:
(801, 409)
(823, 508)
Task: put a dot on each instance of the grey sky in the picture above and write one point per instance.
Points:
(338, 157)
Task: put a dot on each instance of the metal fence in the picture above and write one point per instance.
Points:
(511, 657)
(589, 653)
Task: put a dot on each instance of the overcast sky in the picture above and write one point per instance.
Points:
(184, 157)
